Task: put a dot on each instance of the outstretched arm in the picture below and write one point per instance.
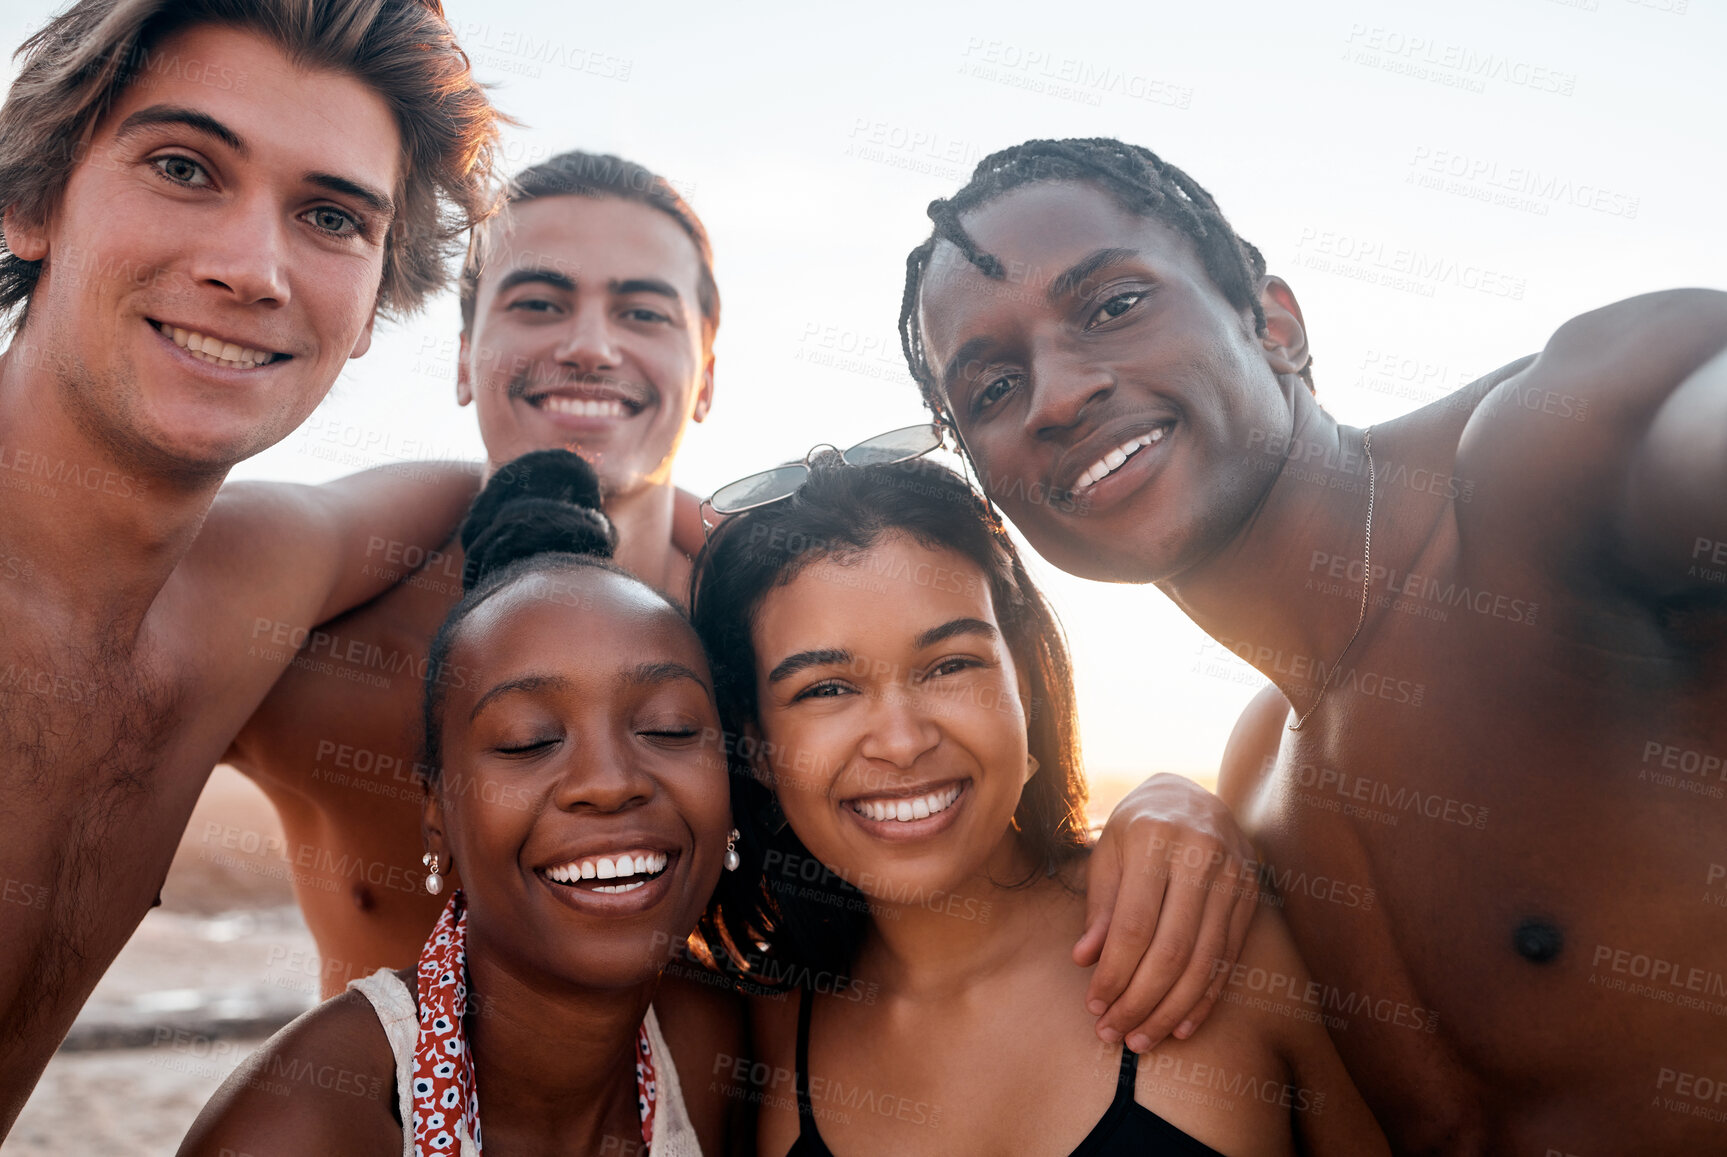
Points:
(327, 549)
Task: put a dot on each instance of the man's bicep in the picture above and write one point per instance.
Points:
(382, 525)
(1672, 524)
(1546, 457)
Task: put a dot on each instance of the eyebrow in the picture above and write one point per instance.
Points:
(539, 275)
(202, 122)
(379, 203)
(961, 356)
(1082, 270)
(563, 281)
(644, 285)
(168, 114)
(641, 675)
(829, 656)
(526, 684)
(804, 660)
(649, 674)
(954, 628)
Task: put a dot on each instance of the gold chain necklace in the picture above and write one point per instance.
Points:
(1366, 579)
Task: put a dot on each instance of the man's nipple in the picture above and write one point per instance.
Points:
(1538, 940)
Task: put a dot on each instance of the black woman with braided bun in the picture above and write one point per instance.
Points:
(578, 781)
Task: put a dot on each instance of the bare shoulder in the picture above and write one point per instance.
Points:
(323, 1084)
(705, 1027)
(768, 1088)
(1272, 993)
(1251, 753)
(688, 533)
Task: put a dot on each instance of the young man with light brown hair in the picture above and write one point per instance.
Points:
(205, 205)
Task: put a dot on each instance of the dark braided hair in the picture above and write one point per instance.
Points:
(538, 514)
(1139, 180)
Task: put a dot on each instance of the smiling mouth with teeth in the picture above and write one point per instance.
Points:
(583, 407)
(631, 870)
(216, 351)
(1112, 461)
(906, 810)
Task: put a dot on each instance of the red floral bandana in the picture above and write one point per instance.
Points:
(446, 1097)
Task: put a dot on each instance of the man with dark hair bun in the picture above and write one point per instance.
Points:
(205, 204)
(1490, 782)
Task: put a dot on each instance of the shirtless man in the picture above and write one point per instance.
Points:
(589, 310)
(201, 219)
(1499, 828)
(588, 316)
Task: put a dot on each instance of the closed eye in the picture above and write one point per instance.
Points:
(525, 748)
(670, 734)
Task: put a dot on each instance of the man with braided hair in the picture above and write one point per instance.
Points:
(1495, 876)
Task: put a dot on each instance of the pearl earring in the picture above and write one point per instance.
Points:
(732, 857)
(434, 882)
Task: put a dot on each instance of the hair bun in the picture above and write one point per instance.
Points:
(548, 500)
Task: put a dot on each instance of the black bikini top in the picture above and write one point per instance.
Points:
(1127, 1127)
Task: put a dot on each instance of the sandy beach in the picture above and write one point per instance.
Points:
(205, 979)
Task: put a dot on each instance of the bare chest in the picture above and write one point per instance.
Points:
(1495, 849)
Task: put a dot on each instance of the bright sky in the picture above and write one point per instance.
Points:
(1522, 160)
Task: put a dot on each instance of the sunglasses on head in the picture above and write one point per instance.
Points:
(782, 482)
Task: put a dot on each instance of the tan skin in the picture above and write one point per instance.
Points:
(1546, 853)
(596, 299)
(142, 633)
(964, 1005)
(340, 758)
(588, 726)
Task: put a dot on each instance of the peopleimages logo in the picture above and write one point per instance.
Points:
(1066, 77)
(1457, 65)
